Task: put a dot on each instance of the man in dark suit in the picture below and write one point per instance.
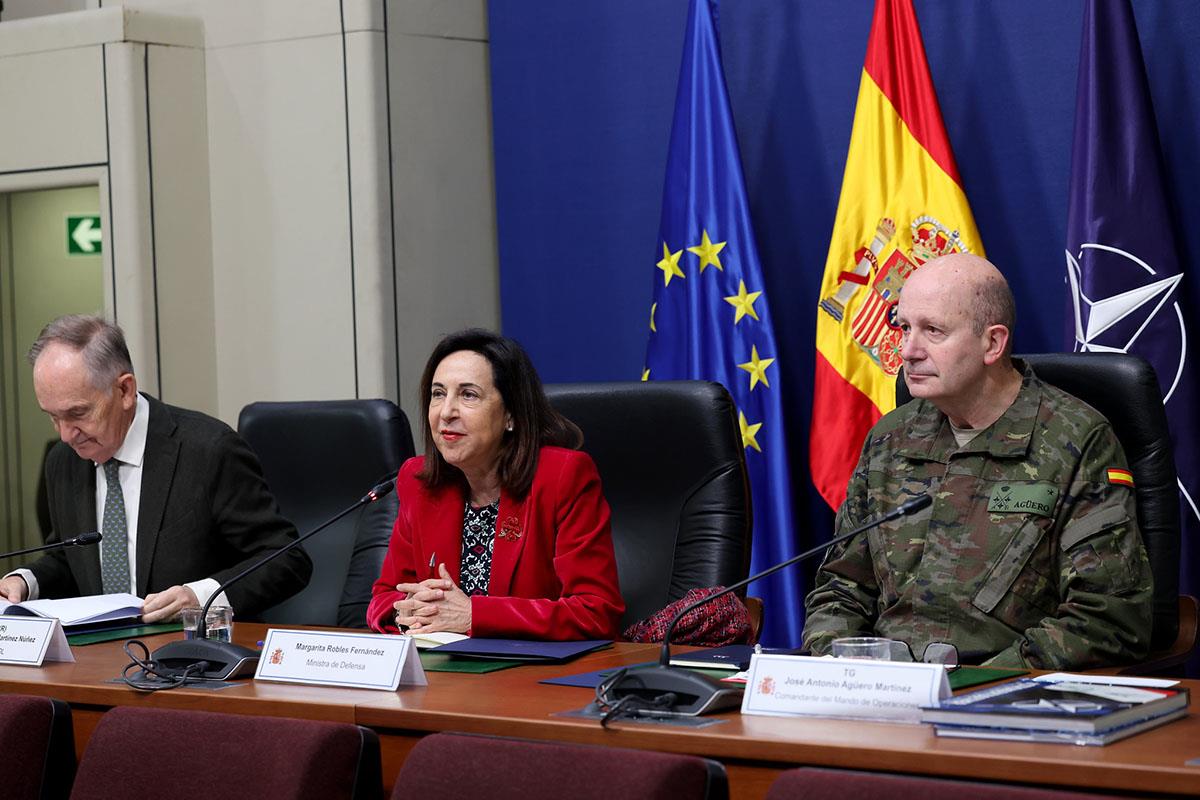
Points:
(179, 498)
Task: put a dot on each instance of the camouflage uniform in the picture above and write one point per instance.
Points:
(1028, 555)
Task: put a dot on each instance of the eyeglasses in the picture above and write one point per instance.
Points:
(942, 653)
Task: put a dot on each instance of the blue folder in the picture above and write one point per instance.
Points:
(730, 656)
(520, 649)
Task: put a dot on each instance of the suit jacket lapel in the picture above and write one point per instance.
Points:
(158, 472)
(440, 533)
(511, 524)
(85, 561)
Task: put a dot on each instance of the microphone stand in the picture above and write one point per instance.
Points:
(675, 691)
(81, 540)
(223, 660)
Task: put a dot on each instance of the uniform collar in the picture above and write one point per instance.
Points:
(928, 437)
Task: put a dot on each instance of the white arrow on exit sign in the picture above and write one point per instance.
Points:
(85, 234)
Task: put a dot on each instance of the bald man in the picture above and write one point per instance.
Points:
(1029, 555)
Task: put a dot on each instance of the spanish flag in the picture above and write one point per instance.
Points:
(902, 204)
(1121, 476)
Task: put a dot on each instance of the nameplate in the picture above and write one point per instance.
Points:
(780, 685)
(31, 640)
(328, 658)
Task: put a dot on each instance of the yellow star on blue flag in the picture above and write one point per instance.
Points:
(708, 252)
(743, 303)
(669, 264)
(757, 367)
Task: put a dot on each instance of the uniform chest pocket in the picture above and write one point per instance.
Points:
(1020, 583)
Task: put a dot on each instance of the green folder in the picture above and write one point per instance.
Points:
(94, 637)
(963, 677)
(440, 662)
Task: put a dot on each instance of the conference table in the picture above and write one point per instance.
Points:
(512, 702)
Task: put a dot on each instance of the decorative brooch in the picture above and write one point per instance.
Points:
(510, 529)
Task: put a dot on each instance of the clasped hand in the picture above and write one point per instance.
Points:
(436, 604)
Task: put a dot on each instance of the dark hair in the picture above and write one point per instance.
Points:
(102, 344)
(535, 422)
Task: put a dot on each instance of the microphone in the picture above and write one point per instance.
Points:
(211, 659)
(79, 541)
(673, 691)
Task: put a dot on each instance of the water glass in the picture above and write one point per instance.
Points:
(218, 624)
(872, 648)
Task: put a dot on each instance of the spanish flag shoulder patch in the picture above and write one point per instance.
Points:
(1122, 476)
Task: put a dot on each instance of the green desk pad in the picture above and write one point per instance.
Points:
(440, 662)
(95, 637)
(963, 677)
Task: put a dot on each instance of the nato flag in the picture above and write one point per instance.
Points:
(1128, 287)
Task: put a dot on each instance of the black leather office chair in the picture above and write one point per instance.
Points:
(673, 470)
(319, 457)
(1124, 388)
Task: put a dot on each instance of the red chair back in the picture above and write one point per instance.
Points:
(38, 746)
(198, 755)
(448, 766)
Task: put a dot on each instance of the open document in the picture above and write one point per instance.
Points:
(81, 613)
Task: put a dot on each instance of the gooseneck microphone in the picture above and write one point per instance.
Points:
(79, 541)
(224, 660)
(673, 691)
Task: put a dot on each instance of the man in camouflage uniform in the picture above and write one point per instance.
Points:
(1029, 555)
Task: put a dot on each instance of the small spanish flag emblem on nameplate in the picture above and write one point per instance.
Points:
(1121, 476)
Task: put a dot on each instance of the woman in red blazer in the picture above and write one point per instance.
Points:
(503, 530)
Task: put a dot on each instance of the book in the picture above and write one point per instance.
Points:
(1059, 737)
(1076, 706)
(81, 613)
(734, 657)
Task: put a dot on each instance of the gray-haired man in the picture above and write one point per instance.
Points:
(179, 497)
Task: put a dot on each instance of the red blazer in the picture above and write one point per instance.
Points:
(554, 575)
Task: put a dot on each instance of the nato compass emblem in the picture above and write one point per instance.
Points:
(1138, 314)
(1139, 306)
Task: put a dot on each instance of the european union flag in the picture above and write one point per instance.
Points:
(1128, 288)
(710, 318)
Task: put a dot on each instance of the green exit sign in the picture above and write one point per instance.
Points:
(83, 235)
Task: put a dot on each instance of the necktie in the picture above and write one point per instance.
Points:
(114, 555)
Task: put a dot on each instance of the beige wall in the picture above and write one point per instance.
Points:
(25, 9)
(301, 170)
(446, 263)
(83, 92)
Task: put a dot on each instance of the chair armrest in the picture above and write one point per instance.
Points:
(755, 606)
(1172, 659)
